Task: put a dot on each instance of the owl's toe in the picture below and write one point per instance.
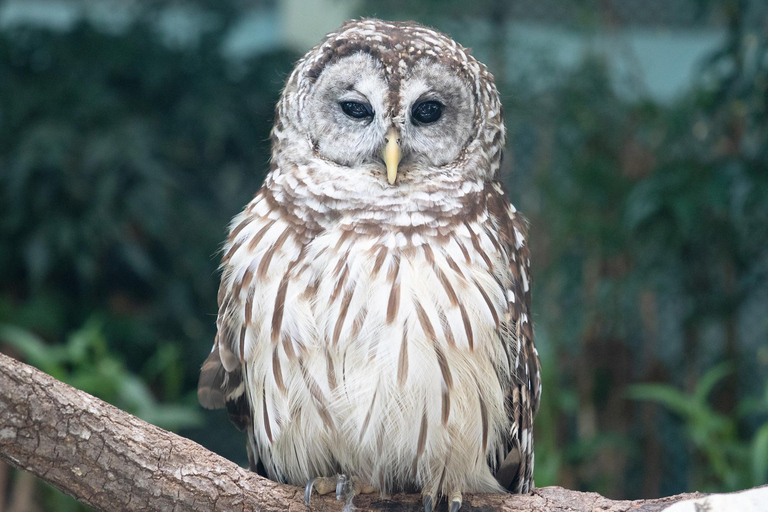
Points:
(428, 501)
(455, 501)
(322, 485)
(345, 488)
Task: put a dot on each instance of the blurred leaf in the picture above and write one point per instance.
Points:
(675, 400)
(85, 363)
(709, 380)
(760, 456)
(45, 357)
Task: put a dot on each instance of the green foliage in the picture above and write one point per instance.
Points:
(121, 162)
(652, 225)
(122, 159)
(731, 462)
(84, 362)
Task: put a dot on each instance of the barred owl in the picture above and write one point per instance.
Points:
(374, 329)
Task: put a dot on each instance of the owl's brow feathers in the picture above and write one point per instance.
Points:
(399, 46)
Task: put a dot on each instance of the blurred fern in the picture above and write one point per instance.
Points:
(84, 361)
(732, 461)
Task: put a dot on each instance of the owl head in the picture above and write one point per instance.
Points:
(380, 111)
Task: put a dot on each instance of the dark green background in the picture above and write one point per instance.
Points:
(123, 158)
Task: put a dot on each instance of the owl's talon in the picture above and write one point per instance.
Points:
(308, 491)
(455, 501)
(345, 488)
(321, 485)
(428, 502)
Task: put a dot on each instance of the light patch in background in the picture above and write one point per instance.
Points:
(257, 31)
(108, 15)
(304, 24)
(657, 63)
(645, 62)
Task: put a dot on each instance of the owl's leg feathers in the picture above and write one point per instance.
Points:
(455, 501)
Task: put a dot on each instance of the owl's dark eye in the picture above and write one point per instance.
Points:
(356, 110)
(427, 111)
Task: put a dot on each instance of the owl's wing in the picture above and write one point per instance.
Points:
(221, 383)
(215, 383)
(514, 460)
(217, 388)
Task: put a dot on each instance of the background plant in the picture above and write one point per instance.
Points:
(123, 157)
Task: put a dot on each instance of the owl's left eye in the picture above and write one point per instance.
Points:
(356, 110)
(427, 111)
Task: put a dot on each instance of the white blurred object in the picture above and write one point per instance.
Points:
(754, 500)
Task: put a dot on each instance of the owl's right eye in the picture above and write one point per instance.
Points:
(356, 110)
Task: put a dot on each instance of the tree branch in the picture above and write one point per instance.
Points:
(111, 460)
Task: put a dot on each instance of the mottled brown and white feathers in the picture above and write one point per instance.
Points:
(383, 331)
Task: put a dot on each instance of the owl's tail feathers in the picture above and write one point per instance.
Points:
(507, 474)
(210, 386)
(218, 387)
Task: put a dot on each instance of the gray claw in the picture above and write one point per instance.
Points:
(455, 506)
(427, 503)
(343, 487)
(308, 491)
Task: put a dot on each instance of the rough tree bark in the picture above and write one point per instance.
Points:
(110, 460)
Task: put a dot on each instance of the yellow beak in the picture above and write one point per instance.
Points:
(392, 154)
